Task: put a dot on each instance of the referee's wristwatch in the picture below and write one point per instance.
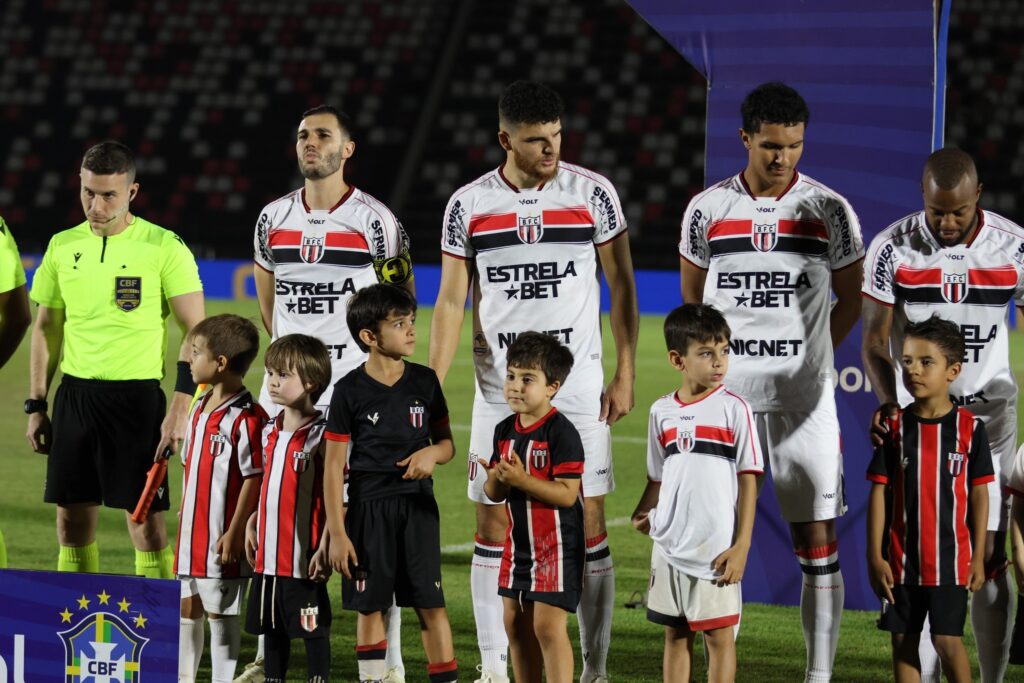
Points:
(33, 405)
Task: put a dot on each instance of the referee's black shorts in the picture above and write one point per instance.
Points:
(104, 436)
(398, 542)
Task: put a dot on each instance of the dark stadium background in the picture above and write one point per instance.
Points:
(209, 95)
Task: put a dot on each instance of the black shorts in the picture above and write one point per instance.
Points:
(398, 543)
(105, 434)
(945, 607)
(567, 600)
(300, 606)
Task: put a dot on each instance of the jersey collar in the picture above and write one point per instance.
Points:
(967, 244)
(675, 395)
(344, 198)
(536, 425)
(746, 188)
(501, 174)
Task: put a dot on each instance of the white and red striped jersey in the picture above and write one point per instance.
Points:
(535, 268)
(770, 262)
(544, 545)
(292, 517)
(222, 448)
(970, 284)
(696, 450)
(929, 466)
(319, 259)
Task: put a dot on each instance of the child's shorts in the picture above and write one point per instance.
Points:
(682, 601)
(945, 607)
(300, 606)
(567, 600)
(398, 543)
(219, 596)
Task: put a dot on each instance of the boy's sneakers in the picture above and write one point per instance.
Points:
(394, 675)
(253, 673)
(490, 677)
(594, 679)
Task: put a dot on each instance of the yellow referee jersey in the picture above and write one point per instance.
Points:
(12, 273)
(114, 293)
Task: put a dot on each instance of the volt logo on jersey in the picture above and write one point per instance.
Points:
(312, 249)
(954, 287)
(764, 236)
(530, 229)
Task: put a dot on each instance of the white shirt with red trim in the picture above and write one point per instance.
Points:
(697, 450)
(971, 284)
(292, 517)
(222, 448)
(770, 262)
(319, 259)
(536, 268)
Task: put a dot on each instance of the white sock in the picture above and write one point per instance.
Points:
(190, 648)
(595, 609)
(992, 620)
(225, 642)
(370, 659)
(821, 608)
(931, 666)
(259, 647)
(393, 631)
(487, 609)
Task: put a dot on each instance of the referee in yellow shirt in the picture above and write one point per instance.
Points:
(104, 289)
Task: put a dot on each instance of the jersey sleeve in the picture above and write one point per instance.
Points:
(979, 460)
(455, 233)
(567, 453)
(693, 241)
(339, 417)
(438, 405)
(12, 273)
(880, 270)
(248, 441)
(45, 282)
(179, 273)
(745, 441)
(604, 205)
(389, 248)
(655, 447)
(882, 455)
(262, 254)
(845, 243)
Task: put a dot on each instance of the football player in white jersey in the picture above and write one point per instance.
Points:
(529, 236)
(966, 265)
(769, 247)
(314, 248)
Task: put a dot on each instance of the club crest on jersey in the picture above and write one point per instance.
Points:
(308, 618)
(472, 466)
(300, 461)
(955, 462)
(127, 293)
(539, 458)
(685, 441)
(530, 229)
(764, 236)
(312, 249)
(217, 444)
(416, 412)
(954, 287)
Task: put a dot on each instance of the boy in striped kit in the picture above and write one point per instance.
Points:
(222, 455)
(536, 468)
(930, 474)
(287, 539)
(703, 461)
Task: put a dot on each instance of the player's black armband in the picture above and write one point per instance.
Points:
(184, 383)
(395, 270)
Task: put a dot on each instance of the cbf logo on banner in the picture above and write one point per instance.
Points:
(87, 628)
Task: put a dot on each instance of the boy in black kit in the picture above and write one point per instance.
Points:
(393, 418)
(928, 499)
(536, 467)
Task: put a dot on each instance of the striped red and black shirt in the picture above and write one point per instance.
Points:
(929, 467)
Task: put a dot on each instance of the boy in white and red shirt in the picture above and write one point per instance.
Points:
(222, 455)
(286, 540)
(703, 461)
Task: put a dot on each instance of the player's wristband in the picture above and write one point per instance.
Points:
(184, 383)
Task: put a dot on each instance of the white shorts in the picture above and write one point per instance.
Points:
(804, 453)
(598, 478)
(1001, 428)
(683, 601)
(219, 596)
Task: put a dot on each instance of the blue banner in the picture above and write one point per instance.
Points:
(873, 75)
(87, 628)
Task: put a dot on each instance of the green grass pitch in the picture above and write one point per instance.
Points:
(770, 647)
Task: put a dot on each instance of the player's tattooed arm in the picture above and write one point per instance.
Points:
(878, 363)
(624, 316)
(449, 312)
(846, 284)
(648, 500)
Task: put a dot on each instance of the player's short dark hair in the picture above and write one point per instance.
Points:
(231, 336)
(344, 120)
(948, 166)
(372, 305)
(943, 333)
(528, 102)
(773, 102)
(539, 351)
(694, 323)
(110, 158)
(304, 354)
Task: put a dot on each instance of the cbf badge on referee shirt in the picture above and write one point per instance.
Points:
(127, 292)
